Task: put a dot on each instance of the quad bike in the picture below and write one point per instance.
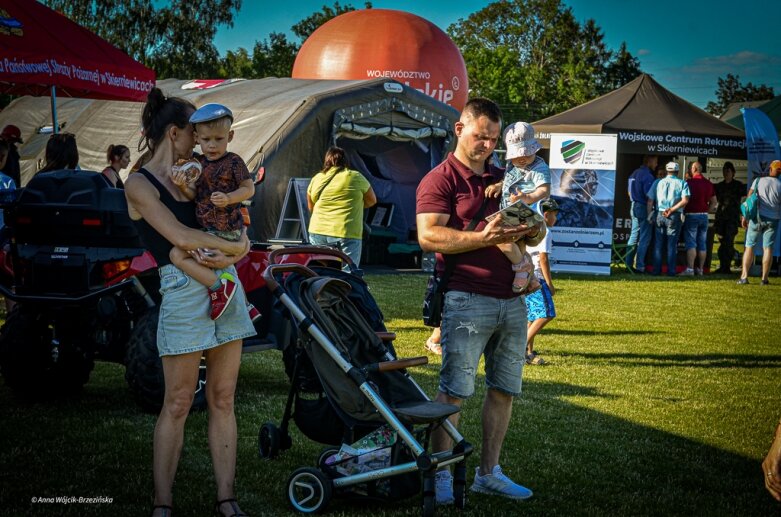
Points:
(85, 289)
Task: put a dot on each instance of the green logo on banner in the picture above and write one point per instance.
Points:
(572, 150)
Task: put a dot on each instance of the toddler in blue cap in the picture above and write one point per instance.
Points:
(218, 192)
(527, 179)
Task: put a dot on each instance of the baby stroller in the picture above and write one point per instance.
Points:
(307, 405)
(368, 390)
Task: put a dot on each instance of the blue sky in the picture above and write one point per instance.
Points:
(685, 45)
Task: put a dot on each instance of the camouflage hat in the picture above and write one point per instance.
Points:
(549, 205)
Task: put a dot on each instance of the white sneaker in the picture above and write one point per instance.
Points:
(444, 487)
(497, 483)
(687, 272)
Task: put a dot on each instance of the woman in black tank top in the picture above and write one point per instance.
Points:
(165, 218)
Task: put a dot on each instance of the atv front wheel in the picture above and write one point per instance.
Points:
(144, 369)
(34, 364)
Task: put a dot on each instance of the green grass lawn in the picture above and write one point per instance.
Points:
(660, 398)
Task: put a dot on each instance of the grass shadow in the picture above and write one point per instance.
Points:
(566, 453)
(570, 458)
(683, 360)
(575, 332)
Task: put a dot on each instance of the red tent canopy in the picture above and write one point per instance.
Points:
(41, 49)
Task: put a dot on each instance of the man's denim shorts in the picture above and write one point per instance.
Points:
(695, 231)
(475, 325)
(185, 325)
(767, 229)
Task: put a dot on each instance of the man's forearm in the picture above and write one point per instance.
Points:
(679, 205)
(451, 241)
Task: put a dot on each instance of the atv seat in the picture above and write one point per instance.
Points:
(73, 208)
(66, 225)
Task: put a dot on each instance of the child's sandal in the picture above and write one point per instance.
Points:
(520, 283)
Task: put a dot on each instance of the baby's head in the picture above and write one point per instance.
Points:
(212, 123)
(520, 143)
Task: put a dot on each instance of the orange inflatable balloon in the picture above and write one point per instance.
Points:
(372, 43)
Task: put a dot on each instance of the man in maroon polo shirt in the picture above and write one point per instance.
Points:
(695, 228)
(481, 314)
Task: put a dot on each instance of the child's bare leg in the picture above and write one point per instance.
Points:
(512, 252)
(521, 267)
(533, 283)
(202, 274)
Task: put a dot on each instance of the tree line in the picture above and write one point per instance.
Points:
(531, 56)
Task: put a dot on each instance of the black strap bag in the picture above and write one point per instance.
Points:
(434, 300)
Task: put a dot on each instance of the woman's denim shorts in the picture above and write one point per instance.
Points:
(185, 325)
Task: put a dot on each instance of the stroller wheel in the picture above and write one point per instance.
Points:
(324, 455)
(268, 441)
(459, 485)
(309, 490)
(429, 494)
(429, 506)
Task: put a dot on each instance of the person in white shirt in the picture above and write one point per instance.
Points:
(540, 309)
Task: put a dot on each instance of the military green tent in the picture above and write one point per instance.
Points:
(393, 134)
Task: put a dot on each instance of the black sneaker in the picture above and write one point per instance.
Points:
(765, 282)
(743, 281)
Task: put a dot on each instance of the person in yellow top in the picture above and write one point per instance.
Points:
(336, 197)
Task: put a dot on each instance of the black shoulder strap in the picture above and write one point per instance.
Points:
(325, 184)
(450, 263)
(165, 195)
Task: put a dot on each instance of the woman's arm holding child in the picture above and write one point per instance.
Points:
(144, 202)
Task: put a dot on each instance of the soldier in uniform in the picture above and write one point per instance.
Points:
(728, 195)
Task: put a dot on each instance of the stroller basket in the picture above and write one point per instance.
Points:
(366, 385)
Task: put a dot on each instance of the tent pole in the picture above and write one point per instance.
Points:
(54, 110)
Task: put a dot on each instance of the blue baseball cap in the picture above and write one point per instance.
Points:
(209, 112)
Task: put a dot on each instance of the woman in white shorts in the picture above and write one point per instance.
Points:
(165, 218)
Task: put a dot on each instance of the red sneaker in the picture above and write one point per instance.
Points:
(254, 314)
(221, 297)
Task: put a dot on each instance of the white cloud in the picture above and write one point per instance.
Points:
(744, 64)
(643, 52)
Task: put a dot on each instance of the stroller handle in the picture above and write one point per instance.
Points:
(272, 269)
(386, 336)
(398, 364)
(311, 250)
